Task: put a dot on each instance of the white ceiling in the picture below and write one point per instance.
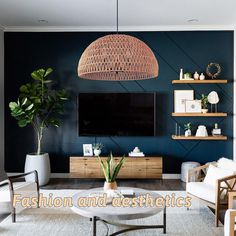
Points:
(100, 15)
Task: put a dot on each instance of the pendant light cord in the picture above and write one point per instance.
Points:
(117, 16)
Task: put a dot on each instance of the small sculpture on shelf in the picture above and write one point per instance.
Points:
(188, 128)
(201, 131)
(136, 153)
(213, 99)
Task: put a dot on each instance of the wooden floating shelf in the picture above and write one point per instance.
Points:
(209, 114)
(208, 81)
(199, 138)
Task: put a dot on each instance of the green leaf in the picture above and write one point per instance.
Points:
(35, 75)
(29, 107)
(41, 72)
(24, 102)
(48, 71)
(47, 81)
(13, 105)
(24, 89)
(117, 169)
(64, 99)
(22, 123)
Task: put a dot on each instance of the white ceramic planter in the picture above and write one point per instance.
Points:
(40, 163)
(204, 111)
(187, 133)
(97, 152)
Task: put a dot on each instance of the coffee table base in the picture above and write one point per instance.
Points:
(127, 227)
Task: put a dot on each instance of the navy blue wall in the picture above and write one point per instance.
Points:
(192, 51)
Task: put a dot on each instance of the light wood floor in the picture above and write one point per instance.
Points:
(164, 185)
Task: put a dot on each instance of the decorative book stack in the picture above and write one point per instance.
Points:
(136, 154)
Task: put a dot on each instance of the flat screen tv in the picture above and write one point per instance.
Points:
(117, 114)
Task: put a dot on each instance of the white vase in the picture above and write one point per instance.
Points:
(196, 75)
(202, 76)
(187, 133)
(97, 152)
(40, 163)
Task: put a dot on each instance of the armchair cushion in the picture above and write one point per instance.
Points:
(202, 190)
(227, 222)
(26, 189)
(214, 173)
(226, 164)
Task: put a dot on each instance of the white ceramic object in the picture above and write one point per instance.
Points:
(204, 111)
(136, 150)
(196, 75)
(213, 97)
(187, 133)
(181, 74)
(201, 131)
(202, 76)
(40, 163)
(97, 152)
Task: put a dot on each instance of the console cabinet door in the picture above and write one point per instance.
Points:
(138, 168)
(154, 168)
(126, 169)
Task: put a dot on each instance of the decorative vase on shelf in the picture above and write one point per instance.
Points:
(110, 185)
(97, 152)
(204, 111)
(202, 76)
(187, 133)
(196, 75)
(181, 74)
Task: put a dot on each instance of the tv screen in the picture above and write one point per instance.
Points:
(117, 114)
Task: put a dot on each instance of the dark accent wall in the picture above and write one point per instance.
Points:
(192, 51)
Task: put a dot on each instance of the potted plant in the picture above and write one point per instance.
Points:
(204, 101)
(187, 128)
(110, 170)
(97, 148)
(40, 106)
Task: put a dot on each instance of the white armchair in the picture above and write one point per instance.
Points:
(11, 186)
(214, 182)
(229, 224)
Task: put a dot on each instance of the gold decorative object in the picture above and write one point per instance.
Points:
(210, 67)
(118, 57)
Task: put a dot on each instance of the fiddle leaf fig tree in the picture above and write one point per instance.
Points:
(39, 105)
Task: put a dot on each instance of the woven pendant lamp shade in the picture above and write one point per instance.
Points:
(118, 57)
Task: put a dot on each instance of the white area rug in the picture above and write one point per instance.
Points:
(198, 221)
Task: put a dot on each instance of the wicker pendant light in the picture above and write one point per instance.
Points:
(118, 57)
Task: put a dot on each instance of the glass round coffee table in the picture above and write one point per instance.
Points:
(111, 213)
